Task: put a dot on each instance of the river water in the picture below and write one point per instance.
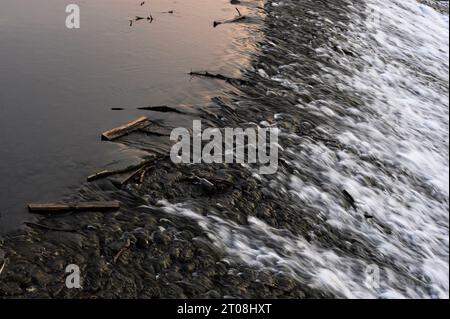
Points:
(57, 86)
(359, 91)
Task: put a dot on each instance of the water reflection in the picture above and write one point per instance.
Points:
(57, 86)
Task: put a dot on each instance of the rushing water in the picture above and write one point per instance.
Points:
(57, 86)
(358, 90)
(369, 83)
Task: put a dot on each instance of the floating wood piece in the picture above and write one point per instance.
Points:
(349, 198)
(5, 262)
(161, 108)
(149, 18)
(119, 254)
(237, 18)
(142, 177)
(120, 182)
(77, 207)
(217, 76)
(107, 173)
(126, 129)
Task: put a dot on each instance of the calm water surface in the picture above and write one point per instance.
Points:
(57, 86)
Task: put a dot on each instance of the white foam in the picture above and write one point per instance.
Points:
(394, 160)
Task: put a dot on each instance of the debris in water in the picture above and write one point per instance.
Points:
(237, 18)
(135, 125)
(117, 256)
(5, 262)
(217, 76)
(120, 182)
(161, 108)
(149, 18)
(349, 199)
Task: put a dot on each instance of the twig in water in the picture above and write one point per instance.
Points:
(237, 18)
(5, 262)
(218, 76)
(142, 178)
(117, 256)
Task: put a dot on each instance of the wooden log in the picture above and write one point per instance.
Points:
(237, 18)
(5, 262)
(217, 76)
(349, 198)
(107, 173)
(76, 207)
(128, 128)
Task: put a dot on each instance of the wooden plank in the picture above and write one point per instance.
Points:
(77, 207)
(128, 128)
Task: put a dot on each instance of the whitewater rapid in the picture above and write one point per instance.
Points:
(392, 157)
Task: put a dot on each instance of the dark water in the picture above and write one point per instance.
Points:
(57, 85)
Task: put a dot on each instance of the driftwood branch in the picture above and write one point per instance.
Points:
(5, 262)
(142, 177)
(237, 18)
(217, 76)
(120, 182)
(161, 108)
(128, 128)
(349, 198)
